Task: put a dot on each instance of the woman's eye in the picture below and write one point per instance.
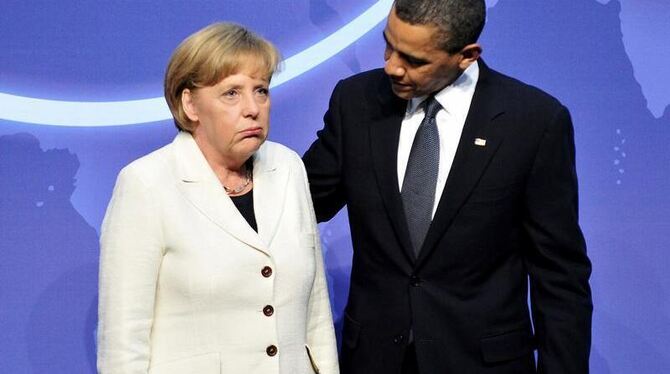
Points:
(263, 91)
(230, 93)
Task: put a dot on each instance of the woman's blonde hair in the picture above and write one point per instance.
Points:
(208, 56)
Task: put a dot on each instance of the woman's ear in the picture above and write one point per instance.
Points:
(188, 105)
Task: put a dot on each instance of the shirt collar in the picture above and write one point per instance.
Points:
(456, 97)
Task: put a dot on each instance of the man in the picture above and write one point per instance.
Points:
(462, 197)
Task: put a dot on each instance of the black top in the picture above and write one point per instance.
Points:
(245, 204)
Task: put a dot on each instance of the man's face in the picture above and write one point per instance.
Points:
(414, 62)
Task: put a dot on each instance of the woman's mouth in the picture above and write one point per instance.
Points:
(252, 132)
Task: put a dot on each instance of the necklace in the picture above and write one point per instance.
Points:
(234, 191)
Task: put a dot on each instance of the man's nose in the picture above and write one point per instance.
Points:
(393, 66)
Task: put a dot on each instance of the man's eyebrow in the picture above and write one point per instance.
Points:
(413, 60)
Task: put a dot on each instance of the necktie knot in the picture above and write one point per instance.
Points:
(431, 107)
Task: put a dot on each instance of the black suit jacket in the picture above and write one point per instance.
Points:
(506, 223)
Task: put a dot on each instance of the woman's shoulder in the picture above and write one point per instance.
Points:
(277, 154)
(149, 169)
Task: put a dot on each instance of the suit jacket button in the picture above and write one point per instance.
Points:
(271, 350)
(266, 272)
(415, 281)
(398, 339)
(268, 310)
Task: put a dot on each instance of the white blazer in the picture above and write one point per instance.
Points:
(187, 286)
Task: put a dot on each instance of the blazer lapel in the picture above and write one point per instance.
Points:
(270, 183)
(479, 141)
(384, 137)
(200, 186)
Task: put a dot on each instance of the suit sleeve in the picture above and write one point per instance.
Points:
(558, 266)
(323, 161)
(130, 256)
(321, 340)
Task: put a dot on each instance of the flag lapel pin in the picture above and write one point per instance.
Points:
(480, 142)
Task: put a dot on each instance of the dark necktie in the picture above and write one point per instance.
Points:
(418, 187)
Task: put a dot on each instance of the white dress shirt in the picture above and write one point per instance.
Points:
(455, 100)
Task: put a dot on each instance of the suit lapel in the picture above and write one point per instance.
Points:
(270, 182)
(471, 159)
(200, 186)
(384, 137)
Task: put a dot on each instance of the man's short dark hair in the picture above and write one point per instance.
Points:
(460, 22)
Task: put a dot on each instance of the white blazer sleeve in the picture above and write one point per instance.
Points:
(131, 249)
(320, 331)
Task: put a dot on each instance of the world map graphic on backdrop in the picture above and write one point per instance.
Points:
(55, 181)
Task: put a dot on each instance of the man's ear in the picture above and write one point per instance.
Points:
(188, 105)
(470, 53)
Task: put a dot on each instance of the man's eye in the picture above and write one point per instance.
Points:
(415, 62)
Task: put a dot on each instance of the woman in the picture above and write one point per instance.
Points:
(210, 255)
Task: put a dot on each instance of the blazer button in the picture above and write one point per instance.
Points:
(268, 310)
(415, 281)
(271, 350)
(266, 272)
(398, 339)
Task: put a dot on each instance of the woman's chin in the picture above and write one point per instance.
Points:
(251, 144)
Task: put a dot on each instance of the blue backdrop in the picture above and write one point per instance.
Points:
(80, 88)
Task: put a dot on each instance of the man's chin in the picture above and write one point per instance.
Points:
(403, 92)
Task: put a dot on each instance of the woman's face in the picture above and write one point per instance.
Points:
(232, 116)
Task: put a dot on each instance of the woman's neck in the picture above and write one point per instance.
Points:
(235, 180)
